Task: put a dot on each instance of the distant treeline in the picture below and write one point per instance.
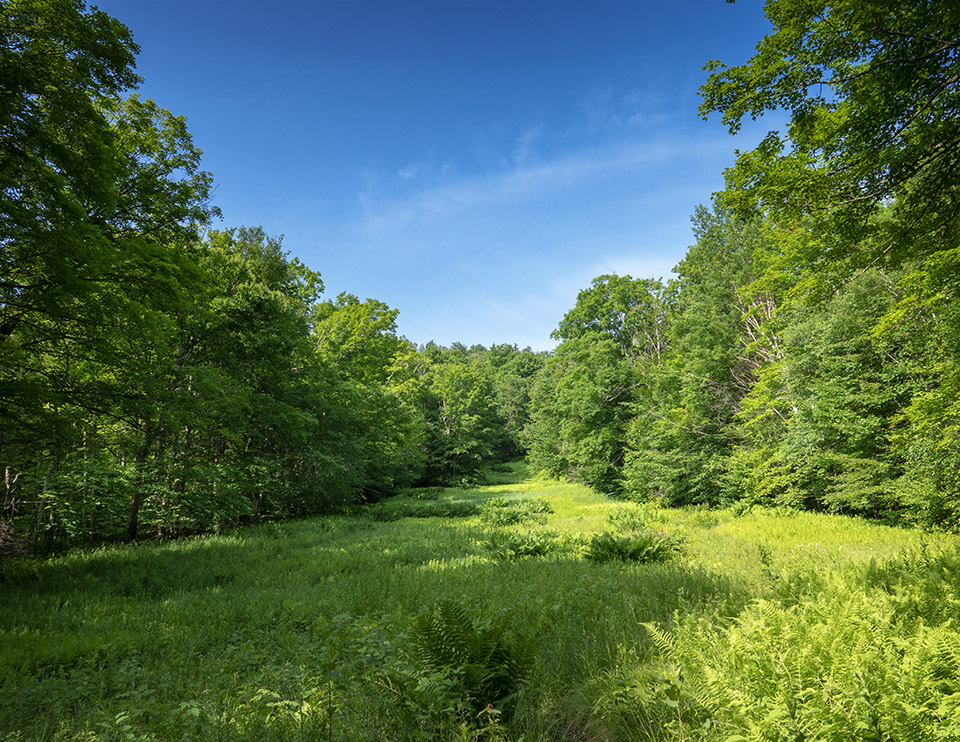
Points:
(158, 377)
(760, 375)
(808, 352)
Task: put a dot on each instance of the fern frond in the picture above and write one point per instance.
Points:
(664, 641)
(448, 640)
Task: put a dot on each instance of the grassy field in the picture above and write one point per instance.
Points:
(404, 620)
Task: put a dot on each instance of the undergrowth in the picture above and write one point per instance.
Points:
(512, 544)
(640, 545)
(499, 511)
(484, 667)
(397, 508)
(486, 614)
(846, 663)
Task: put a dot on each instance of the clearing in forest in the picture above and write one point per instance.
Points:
(574, 615)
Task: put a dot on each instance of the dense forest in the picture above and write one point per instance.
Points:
(160, 377)
(725, 508)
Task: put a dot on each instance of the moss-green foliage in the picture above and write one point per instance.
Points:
(873, 654)
(499, 511)
(397, 508)
(486, 669)
(309, 630)
(512, 544)
(632, 539)
(641, 545)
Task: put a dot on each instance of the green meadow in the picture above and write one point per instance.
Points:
(526, 609)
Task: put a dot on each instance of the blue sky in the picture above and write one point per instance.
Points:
(473, 164)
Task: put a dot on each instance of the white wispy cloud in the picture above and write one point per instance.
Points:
(410, 171)
(496, 249)
(527, 181)
(608, 111)
(524, 148)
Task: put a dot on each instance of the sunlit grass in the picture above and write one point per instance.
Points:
(298, 629)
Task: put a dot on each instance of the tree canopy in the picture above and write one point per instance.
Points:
(872, 93)
(161, 377)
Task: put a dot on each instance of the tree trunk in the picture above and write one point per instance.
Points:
(136, 497)
(53, 470)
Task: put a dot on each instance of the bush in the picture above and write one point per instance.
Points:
(537, 505)
(424, 493)
(516, 545)
(636, 518)
(395, 509)
(639, 546)
(499, 511)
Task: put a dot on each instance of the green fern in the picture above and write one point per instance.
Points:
(638, 546)
(487, 669)
(499, 511)
(843, 665)
(665, 642)
(519, 544)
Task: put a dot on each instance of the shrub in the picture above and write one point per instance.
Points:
(424, 493)
(536, 505)
(499, 511)
(639, 546)
(395, 509)
(519, 544)
(626, 521)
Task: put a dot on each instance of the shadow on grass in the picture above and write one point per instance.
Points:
(222, 612)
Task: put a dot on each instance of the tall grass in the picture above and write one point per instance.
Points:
(307, 630)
